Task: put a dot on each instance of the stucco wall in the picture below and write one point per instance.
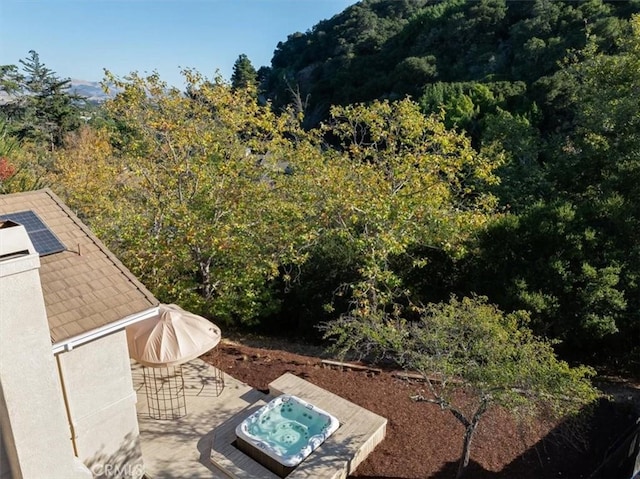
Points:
(35, 433)
(101, 405)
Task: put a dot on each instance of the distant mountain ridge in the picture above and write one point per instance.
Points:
(91, 90)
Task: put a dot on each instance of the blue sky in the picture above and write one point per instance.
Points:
(78, 38)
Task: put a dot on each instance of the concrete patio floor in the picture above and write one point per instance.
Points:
(182, 447)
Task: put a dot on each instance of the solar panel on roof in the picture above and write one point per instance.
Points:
(43, 239)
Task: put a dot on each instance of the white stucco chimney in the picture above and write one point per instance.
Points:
(35, 431)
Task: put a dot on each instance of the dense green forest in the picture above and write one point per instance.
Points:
(399, 154)
(550, 85)
(469, 56)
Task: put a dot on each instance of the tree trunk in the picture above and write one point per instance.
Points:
(466, 449)
(470, 428)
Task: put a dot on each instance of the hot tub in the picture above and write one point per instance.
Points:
(281, 434)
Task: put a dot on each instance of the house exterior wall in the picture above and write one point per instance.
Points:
(96, 379)
(35, 433)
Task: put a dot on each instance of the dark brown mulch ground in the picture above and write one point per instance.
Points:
(425, 442)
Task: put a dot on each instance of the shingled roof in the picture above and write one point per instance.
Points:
(85, 286)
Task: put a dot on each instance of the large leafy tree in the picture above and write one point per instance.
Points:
(468, 345)
(195, 202)
(427, 185)
(395, 187)
(89, 175)
(212, 197)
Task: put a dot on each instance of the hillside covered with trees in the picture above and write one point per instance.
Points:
(411, 153)
(464, 55)
(550, 88)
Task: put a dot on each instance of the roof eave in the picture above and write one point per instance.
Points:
(75, 341)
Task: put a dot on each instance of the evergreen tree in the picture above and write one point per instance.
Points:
(244, 74)
(43, 109)
(10, 79)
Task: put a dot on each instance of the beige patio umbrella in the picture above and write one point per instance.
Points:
(162, 344)
(171, 338)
